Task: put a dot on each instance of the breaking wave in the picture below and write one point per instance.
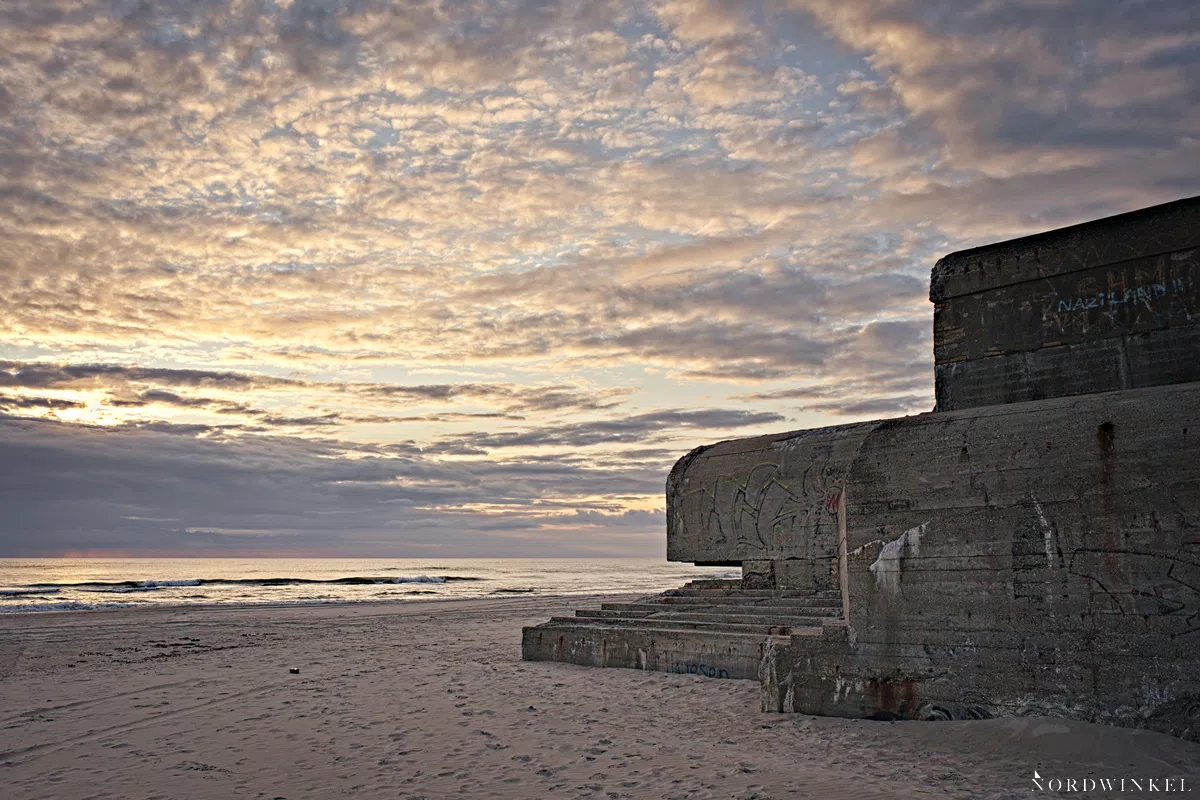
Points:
(124, 587)
(29, 590)
(65, 605)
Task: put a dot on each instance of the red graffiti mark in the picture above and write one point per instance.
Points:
(833, 501)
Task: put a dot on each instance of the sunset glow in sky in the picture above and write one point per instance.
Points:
(403, 279)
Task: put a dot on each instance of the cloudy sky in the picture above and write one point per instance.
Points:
(433, 278)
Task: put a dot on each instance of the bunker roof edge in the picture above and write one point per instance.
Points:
(1135, 234)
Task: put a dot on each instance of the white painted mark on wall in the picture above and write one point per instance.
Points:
(1047, 531)
(890, 562)
(1050, 536)
(858, 551)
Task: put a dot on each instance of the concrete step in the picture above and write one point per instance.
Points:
(707, 583)
(726, 608)
(726, 654)
(720, 618)
(622, 613)
(789, 620)
(742, 600)
(716, 628)
(707, 591)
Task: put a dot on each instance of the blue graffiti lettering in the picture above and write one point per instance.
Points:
(1138, 294)
(706, 670)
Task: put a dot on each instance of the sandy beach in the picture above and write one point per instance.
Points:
(431, 700)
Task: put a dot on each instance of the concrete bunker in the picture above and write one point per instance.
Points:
(1031, 546)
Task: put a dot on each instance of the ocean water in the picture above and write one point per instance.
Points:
(82, 584)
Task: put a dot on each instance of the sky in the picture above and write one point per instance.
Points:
(434, 279)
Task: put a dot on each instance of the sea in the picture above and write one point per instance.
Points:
(30, 585)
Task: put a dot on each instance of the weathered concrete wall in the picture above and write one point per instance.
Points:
(1037, 557)
(767, 503)
(1110, 304)
(1033, 546)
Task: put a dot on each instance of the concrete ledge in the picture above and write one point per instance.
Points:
(728, 655)
(1143, 233)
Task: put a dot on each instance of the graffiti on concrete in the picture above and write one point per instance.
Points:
(1134, 296)
(767, 510)
(1138, 294)
(706, 670)
(1147, 584)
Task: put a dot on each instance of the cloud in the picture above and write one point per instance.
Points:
(296, 495)
(247, 228)
(1010, 88)
(514, 398)
(36, 375)
(121, 386)
(636, 429)
(9, 402)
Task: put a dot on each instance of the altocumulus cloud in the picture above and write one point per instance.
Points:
(360, 275)
(141, 489)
